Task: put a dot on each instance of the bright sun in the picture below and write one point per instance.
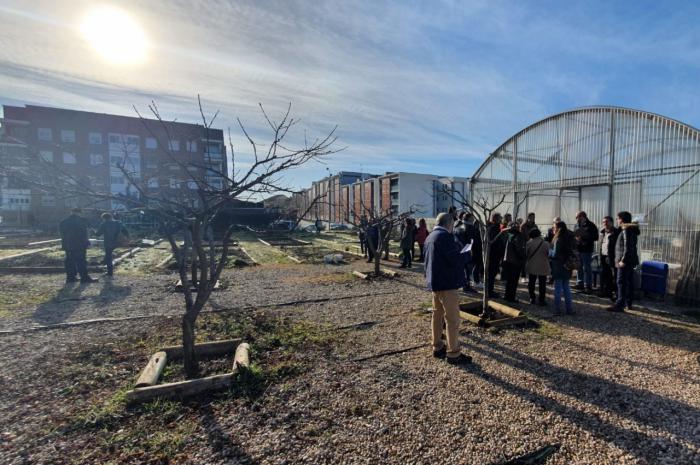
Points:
(115, 35)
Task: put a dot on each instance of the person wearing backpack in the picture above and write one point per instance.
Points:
(562, 254)
(513, 261)
(537, 265)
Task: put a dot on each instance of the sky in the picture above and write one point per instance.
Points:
(416, 86)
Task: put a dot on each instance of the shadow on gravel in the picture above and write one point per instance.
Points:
(666, 330)
(644, 407)
(61, 307)
(220, 441)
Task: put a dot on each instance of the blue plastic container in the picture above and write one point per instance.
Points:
(654, 277)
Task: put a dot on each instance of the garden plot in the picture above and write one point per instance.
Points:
(54, 257)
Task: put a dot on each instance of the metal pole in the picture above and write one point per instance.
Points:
(611, 173)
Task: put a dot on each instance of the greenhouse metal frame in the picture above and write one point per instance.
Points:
(604, 160)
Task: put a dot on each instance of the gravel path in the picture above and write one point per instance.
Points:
(609, 388)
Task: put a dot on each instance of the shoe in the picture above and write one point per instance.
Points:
(461, 359)
(441, 353)
(71, 280)
(628, 308)
(108, 274)
(614, 308)
(533, 301)
(89, 280)
(402, 266)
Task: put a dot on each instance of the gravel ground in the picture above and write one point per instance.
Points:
(608, 388)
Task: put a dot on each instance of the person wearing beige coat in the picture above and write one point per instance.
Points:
(537, 265)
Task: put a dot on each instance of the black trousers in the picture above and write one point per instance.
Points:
(407, 256)
(531, 287)
(76, 264)
(422, 253)
(109, 260)
(512, 274)
(492, 272)
(607, 278)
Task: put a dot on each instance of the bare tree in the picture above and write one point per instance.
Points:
(196, 197)
(482, 208)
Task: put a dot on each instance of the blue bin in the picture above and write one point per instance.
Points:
(654, 277)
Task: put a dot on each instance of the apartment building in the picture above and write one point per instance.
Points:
(167, 159)
(346, 202)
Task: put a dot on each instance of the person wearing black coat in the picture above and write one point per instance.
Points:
(513, 260)
(626, 259)
(74, 242)
(496, 252)
(110, 229)
(608, 239)
(586, 234)
(372, 241)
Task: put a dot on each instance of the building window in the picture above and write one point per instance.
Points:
(71, 202)
(95, 138)
(46, 155)
(69, 158)
(174, 183)
(116, 179)
(96, 159)
(151, 143)
(115, 139)
(45, 134)
(192, 185)
(116, 160)
(67, 135)
(174, 145)
(132, 140)
(153, 183)
(48, 200)
(191, 145)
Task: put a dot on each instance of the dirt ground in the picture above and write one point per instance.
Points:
(603, 388)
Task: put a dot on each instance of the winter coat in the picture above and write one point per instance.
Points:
(515, 249)
(408, 237)
(444, 269)
(610, 252)
(111, 230)
(562, 248)
(421, 234)
(74, 234)
(537, 251)
(626, 246)
(586, 235)
(498, 247)
(373, 235)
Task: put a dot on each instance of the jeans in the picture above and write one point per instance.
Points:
(531, 287)
(109, 260)
(562, 286)
(76, 264)
(585, 272)
(625, 287)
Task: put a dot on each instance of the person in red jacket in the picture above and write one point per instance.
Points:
(421, 235)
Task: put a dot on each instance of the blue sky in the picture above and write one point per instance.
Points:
(429, 87)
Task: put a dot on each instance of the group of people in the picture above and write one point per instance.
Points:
(518, 249)
(75, 242)
(410, 235)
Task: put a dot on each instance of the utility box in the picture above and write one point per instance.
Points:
(654, 278)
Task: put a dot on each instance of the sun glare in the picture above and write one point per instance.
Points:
(115, 35)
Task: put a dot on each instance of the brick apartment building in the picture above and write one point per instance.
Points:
(168, 160)
(344, 200)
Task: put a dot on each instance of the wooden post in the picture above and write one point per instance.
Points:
(151, 374)
(180, 389)
(477, 320)
(360, 275)
(241, 360)
(514, 321)
(505, 309)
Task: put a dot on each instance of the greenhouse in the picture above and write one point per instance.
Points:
(603, 160)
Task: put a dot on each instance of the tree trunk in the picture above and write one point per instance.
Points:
(486, 254)
(189, 356)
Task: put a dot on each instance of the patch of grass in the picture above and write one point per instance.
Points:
(547, 329)
(18, 296)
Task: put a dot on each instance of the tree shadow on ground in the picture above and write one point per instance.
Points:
(667, 330)
(672, 419)
(62, 306)
(221, 442)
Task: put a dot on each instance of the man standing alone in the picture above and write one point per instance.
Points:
(444, 275)
(74, 241)
(111, 229)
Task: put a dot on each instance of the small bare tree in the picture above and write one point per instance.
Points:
(482, 208)
(201, 191)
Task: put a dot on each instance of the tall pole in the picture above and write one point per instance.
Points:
(611, 170)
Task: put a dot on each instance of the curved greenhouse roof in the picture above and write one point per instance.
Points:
(604, 160)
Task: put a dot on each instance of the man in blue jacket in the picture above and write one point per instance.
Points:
(444, 275)
(110, 229)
